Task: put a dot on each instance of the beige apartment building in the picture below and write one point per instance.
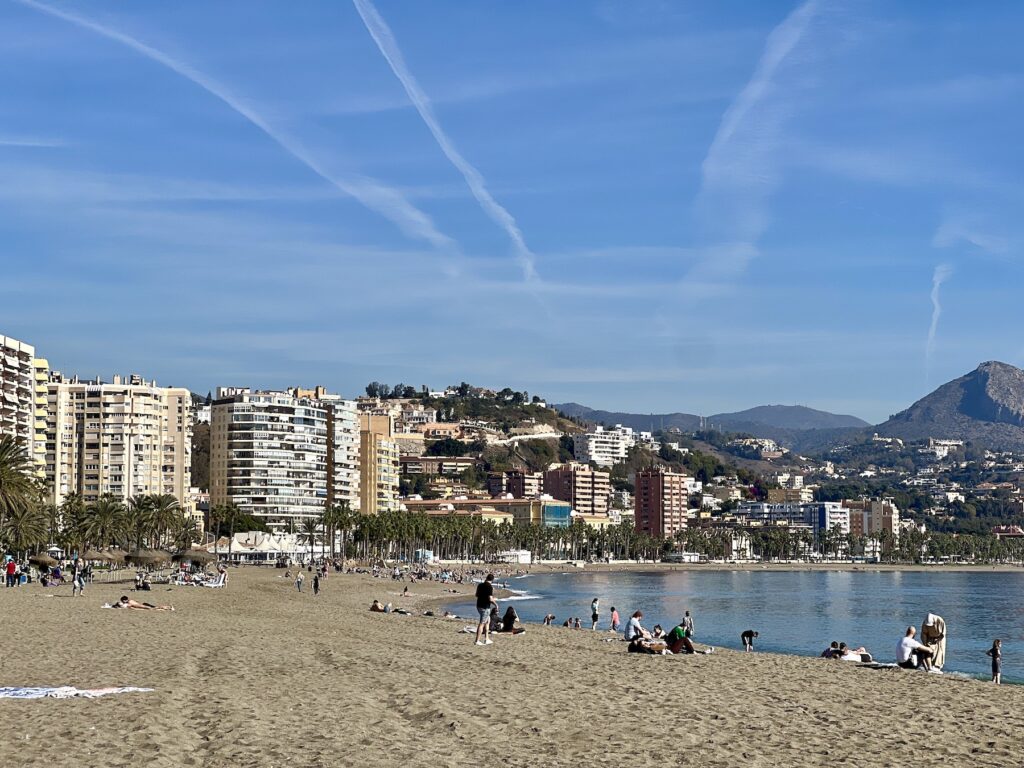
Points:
(126, 438)
(587, 489)
(379, 464)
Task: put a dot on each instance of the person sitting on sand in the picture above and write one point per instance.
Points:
(508, 622)
(548, 619)
(128, 603)
(495, 620)
(831, 651)
(376, 607)
(576, 623)
(911, 654)
(678, 639)
(450, 615)
(657, 633)
(634, 629)
(747, 638)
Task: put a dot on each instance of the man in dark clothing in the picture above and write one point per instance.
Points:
(484, 601)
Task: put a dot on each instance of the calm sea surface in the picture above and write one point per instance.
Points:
(800, 612)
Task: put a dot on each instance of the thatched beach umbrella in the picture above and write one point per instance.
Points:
(195, 556)
(43, 560)
(115, 555)
(148, 557)
(94, 554)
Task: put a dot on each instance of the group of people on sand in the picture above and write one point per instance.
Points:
(678, 640)
(842, 652)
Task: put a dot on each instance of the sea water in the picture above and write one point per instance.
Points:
(801, 612)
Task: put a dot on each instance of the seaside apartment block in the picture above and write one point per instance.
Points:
(123, 438)
(23, 397)
(587, 489)
(268, 455)
(379, 464)
(603, 446)
(661, 501)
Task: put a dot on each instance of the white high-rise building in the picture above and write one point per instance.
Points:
(342, 451)
(18, 393)
(604, 447)
(268, 455)
(126, 438)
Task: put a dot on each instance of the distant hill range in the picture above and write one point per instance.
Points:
(985, 406)
(795, 426)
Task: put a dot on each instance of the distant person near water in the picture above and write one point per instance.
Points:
(595, 612)
(615, 620)
(484, 601)
(933, 635)
(688, 624)
(747, 638)
(996, 652)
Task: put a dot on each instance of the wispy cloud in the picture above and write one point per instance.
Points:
(385, 40)
(957, 229)
(378, 197)
(30, 142)
(939, 276)
(741, 168)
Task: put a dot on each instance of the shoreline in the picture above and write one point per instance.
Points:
(563, 566)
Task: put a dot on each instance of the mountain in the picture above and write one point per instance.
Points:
(642, 422)
(797, 417)
(794, 426)
(985, 406)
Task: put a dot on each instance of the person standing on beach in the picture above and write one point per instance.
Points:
(688, 624)
(484, 601)
(299, 579)
(78, 578)
(595, 608)
(748, 640)
(316, 584)
(996, 652)
(615, 620)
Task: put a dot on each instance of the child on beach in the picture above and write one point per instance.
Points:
(615, 620)
(996, 652)
(595, 608)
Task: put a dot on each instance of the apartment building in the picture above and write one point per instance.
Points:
(801, 495)
(524, 485)
(587, 489)
(18, 392)
(660, 502)
(125, 438)
(379, 464)
(268, 455)
(604, 447)
(343, 482)
(872, 517)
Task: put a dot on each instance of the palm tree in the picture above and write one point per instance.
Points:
(104, 521)
(184, 529)
(213, 521)
(138, 516)
(25, 527)
(229, 514)
(18, 487)
(166, 511)
(309, 529)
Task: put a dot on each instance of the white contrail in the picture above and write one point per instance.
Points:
(386, 201)
(779, 45)
(939, 276)
(385, 40)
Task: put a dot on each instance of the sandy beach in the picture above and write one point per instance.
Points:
(259, 675)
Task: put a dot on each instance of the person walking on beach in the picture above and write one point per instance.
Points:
(615, 620)
(688, 624)
(595, 613)
(748, 640)
(996, 652)
(484, 602)
(78, 578)
(316, 584)
(299, 579)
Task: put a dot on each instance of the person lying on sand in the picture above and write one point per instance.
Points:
(126, 602)
(831, 652)
(376, 607)
(854, 654)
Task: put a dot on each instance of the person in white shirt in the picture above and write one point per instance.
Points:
(634, 628)
(911, 654)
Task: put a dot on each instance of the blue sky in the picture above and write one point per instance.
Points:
(644, 206)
